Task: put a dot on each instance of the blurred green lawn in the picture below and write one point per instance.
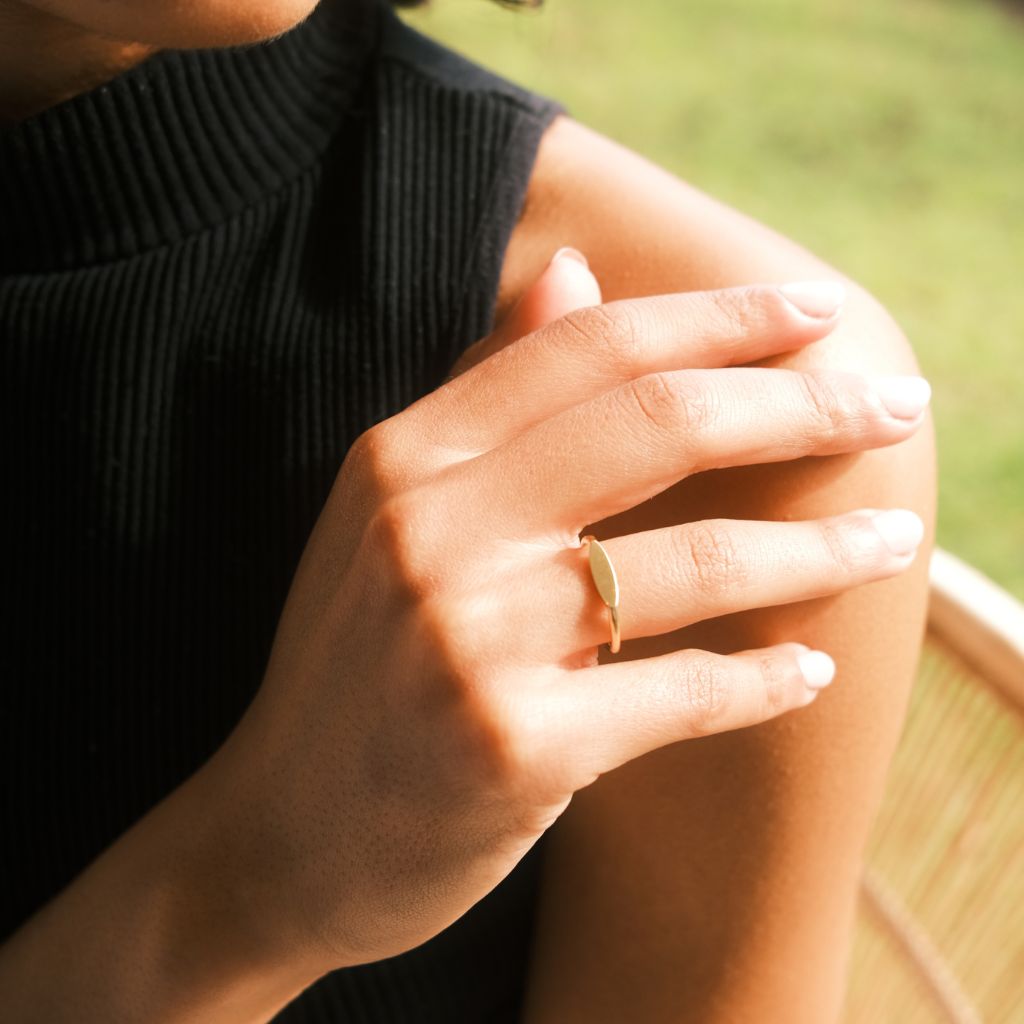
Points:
(886, 136)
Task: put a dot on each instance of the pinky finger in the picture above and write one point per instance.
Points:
(610, 714)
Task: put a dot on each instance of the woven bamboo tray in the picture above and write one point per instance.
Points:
(940, 932)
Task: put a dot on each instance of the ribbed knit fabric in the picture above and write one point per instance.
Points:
(215, 272)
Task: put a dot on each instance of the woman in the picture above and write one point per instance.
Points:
(228, 272)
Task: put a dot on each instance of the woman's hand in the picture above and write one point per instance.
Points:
(434, 699)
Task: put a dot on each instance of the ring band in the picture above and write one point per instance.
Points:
(607, 584)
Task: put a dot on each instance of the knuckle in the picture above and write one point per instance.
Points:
(459, 681)
(613, 328)
(710, 555)
(373, 457)
(848, 546)
(647, 396)
(740, 311)
(777, 681)
(670, 403)
(486, 733)
(707, 694)
(508, 747)
(444, 628)
(399, 531)
(697, 405)
(827, 403)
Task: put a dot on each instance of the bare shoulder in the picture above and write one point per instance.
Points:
(645, 231)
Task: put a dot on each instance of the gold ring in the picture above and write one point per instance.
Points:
(607, 584)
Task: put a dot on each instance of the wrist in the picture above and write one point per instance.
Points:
(155, 929)
(224, 923)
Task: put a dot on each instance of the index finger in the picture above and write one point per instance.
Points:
(597, 348)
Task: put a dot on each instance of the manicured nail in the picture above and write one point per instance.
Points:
(817, 667)
(901, 530)
(904, 397)
(568, 253)
(818, 299)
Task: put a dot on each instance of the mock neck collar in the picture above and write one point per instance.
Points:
(178, 143)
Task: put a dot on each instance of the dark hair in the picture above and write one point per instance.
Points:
(503, 3)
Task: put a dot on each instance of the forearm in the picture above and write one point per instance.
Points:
(154, 930)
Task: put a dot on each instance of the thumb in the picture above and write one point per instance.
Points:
(565, 284)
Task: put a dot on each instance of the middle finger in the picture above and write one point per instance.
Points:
(607, 455)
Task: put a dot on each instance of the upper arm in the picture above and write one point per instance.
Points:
(714, 880)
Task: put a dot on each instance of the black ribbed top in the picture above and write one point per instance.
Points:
(215, 272)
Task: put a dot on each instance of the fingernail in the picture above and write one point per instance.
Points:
(568, 253)
(901, 530)
(818, 669)
(904, 397)
(818, 299)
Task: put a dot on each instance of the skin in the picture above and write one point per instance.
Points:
(715, 881)
(709, 880)
(50, 50)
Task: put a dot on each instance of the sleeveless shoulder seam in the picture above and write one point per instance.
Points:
(474, 137)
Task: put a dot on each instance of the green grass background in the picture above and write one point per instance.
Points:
(885, 135)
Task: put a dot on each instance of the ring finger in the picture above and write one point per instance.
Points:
(672, 577)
